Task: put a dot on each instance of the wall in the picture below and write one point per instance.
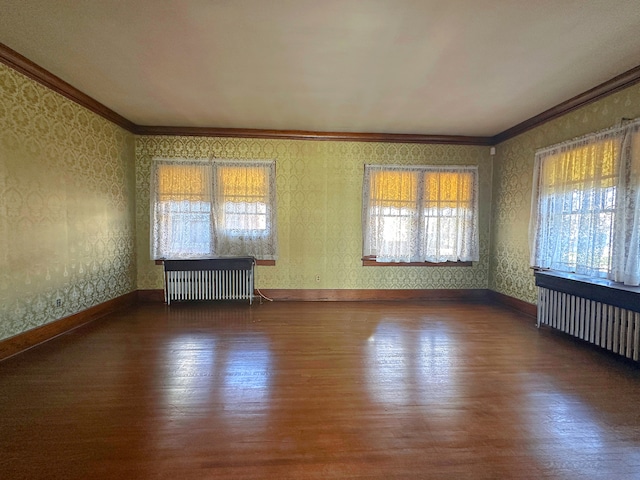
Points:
(512, 182)
(319, 192)
(71, 225)
(67, 206)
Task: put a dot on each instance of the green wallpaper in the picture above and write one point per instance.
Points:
(67, 217)
(74, 205)
(319, 191)
(512, 182)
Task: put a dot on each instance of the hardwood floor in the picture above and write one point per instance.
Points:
(318, 391)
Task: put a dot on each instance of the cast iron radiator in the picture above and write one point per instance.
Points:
(601, 313)
(224, 278)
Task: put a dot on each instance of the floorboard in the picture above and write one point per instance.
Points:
(316, 391)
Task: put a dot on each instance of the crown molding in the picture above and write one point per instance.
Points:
(620, 82)
(310, 135)
(25, 66)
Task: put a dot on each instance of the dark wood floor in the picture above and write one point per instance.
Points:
(318, 391)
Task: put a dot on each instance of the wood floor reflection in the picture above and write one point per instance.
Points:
(318, 391)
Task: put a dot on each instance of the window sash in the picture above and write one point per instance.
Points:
(584, 208)
(213, 208)
(244, 195)
(420, 214)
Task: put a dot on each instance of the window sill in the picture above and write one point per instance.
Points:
(259, 263)
(597, 289)
(371, 262)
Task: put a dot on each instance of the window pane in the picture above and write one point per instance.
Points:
(245, 219)
(245, 193)
(187, 227)
(182, 182)
(393, 229)
(393, 197)
(241, 182)
(245, 216)
(448, 189)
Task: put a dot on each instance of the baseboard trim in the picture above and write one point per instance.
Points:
(521, 306)
(25, 340)
(346, 295)
(359, 295)
(366, 295)
(151, 295)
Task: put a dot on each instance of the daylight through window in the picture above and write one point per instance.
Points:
(584, 216)
(420, 213)
(213, 208)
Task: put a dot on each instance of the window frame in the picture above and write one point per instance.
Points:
(577, 191)
(211, 193)
(421, 211)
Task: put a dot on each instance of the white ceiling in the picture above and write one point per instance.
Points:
(448, 67)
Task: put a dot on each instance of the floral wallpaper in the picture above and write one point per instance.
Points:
(319, 196)
(67, 217)
(74, 205)
(512, 184)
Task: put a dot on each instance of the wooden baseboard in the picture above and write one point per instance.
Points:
(357, 295)
(521, 306)
(28, 339)
(346, 295)
(33, 337)
(155, 295)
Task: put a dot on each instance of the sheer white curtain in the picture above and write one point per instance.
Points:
(584, 210)
(626, 246)
(181, 201)
(204, 208)
(244, 220)
(420, 213)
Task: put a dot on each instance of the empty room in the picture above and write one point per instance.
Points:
(295, 239)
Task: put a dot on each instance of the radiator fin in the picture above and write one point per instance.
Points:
(613, 328)
(209, 285)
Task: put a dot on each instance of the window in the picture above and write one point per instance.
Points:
(420, 214)
(584, 216)
(244, 194)
(204, 209)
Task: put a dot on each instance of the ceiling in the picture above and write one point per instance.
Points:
(454, 67)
